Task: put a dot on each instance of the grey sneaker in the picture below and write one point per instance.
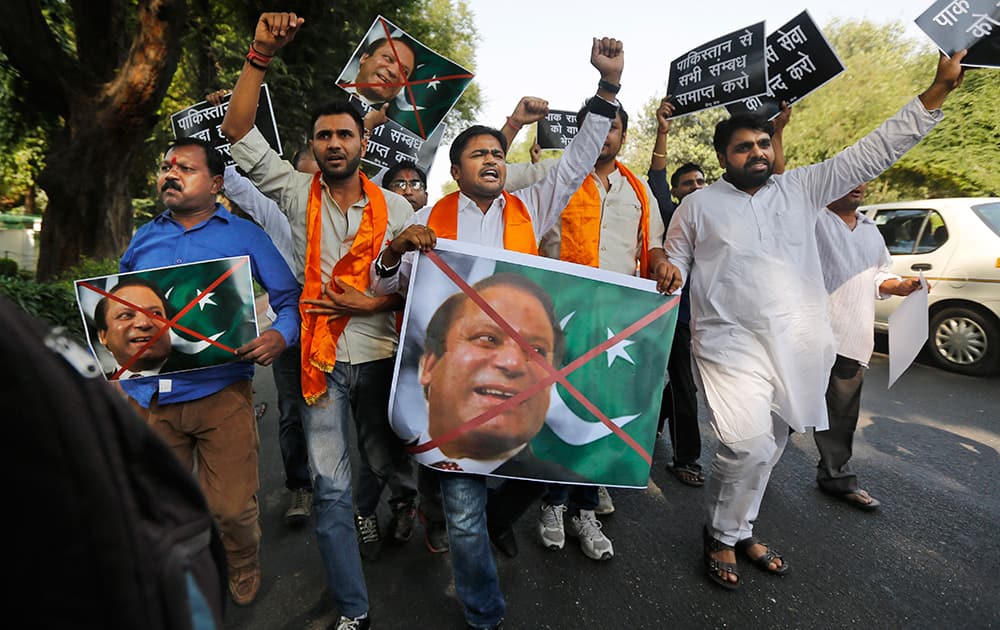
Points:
(593, 542)
(300, 509)
(358, 623)
(369, 540)
(605, 505)
(402, 521)
(550, 526)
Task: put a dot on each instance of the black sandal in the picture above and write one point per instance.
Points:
(763, 561)
(713, 566)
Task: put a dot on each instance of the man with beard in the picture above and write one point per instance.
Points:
(206, 416)
(761, 338)
(856, 269)
(340, 221)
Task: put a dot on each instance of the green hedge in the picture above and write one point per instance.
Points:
(55, 301)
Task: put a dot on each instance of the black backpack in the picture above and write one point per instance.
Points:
(109, 530)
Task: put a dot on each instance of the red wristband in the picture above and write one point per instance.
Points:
(258, 60)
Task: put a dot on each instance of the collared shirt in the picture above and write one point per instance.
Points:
(620, 214)
(545, 201)
(164, 242)
(758, 299)
(264, 211)
(855, 263)
(366, 338)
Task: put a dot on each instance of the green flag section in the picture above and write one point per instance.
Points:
(520, 366)
(211, 305)
(625, 382)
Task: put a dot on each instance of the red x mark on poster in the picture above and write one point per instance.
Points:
(171, 323)
(406, 83)
(553, 375)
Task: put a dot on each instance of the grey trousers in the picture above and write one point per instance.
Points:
(836, 445)
(738, 478)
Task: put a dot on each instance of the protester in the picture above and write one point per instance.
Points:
(856, 272)
(611, 222)
(207, 416)
(760, 334)
(482, 212)
(339, 220)
(410, 181)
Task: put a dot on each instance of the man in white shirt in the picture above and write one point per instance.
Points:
(856, 267)
(761, 339)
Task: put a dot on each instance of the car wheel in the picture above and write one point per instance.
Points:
(963, 340)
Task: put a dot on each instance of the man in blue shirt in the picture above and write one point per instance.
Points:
(209, 413)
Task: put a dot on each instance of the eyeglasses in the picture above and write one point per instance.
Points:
(401, 184)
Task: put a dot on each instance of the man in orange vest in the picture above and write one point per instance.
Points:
(612, 222)
(482, 212)
(339, 221)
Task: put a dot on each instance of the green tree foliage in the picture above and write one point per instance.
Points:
(103, 76)
(884, 70)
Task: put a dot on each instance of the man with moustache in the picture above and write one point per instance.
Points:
(761, 338)
(339, 220)
(611, 222)
(206, 416)
(856, 269)
(482, 212)
(384, 67)
(124, 329)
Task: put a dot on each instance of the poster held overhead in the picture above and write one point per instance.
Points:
(799, 61)
(202, 120)
(557, 129)
(955, 25)
(727, 69)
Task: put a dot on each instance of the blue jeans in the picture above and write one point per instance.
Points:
(291, 436)
(575, 497)
(384, 460)
(475, 571)
(327, 437)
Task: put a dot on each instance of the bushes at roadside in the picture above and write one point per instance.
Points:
(54, 301)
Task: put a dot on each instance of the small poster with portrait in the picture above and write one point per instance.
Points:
(170, 319)
(525, 367)
(420, 85)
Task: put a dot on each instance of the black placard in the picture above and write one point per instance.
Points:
(202, 120)
(727, 69)
(799, 60)
(557, 129)
(954, 25)
(391, 143)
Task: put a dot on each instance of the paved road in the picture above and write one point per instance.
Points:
(929, 449)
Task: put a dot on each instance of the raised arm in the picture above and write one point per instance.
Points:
(663, 113)
(528, 110)
(778, 138)
(547, 199)
(274, 30)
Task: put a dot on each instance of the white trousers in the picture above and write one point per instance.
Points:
(737, 480)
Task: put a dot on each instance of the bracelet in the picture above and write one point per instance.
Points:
(610, 87)
(258, 60)
(254, 48)
(660, 155)
(512, 125)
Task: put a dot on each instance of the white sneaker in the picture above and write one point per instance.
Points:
(550, 526)
(593, 542)
(604, 503)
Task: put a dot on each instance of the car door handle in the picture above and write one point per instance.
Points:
(921, 267)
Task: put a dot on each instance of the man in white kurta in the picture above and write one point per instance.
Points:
(761, 338)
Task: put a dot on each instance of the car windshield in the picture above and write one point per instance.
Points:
(990, 214)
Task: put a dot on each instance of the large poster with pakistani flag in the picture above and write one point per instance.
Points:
(170, 319)
(520, 366)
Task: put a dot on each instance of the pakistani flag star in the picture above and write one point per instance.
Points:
(204, 301)
(618, 350)
(433, 83)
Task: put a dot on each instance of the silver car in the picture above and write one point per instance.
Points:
(956, 243)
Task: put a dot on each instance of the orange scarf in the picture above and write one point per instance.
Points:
(580, 233)
(320, 333)
(518, 233)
